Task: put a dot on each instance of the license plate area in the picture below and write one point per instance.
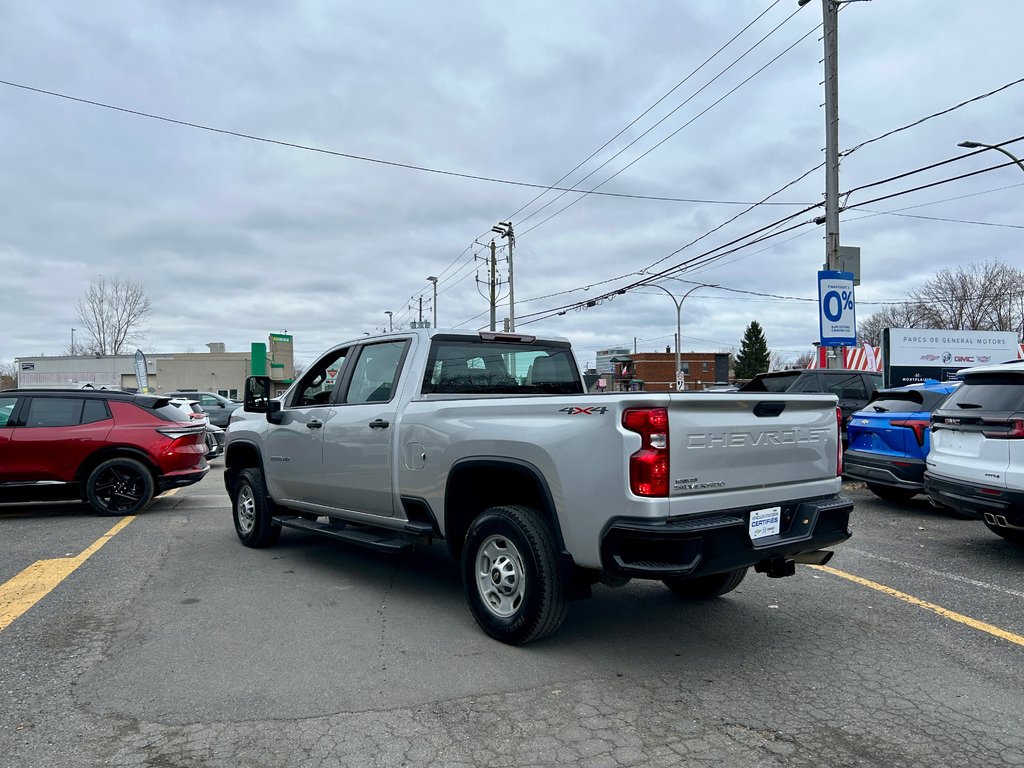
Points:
(764, 522)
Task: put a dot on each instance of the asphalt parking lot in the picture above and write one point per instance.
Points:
(161, 641)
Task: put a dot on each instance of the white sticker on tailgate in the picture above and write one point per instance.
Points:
(765, 522)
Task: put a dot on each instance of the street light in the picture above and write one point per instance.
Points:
(433, 280)
(679, 323)
(391, 325)
(979, 145)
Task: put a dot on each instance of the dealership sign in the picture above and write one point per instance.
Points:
(915, 354)
(836, 309)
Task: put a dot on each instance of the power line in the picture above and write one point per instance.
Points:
(663, 119)
(673, 134)
(644, 113)
(931, 116)
(362, 158)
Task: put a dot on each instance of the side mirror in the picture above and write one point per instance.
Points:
(257, 394)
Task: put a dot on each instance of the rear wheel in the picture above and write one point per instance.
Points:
(1010, 534)
(120, 486)
(252, 509)
(511, 576)
(891, 493)
(704, 587)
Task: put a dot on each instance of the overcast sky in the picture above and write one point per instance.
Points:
(234, 238)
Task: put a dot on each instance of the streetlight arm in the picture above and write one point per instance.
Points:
(979, 145)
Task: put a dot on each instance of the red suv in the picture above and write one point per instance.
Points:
(113, 449)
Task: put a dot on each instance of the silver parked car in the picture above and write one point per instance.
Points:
(217, 407)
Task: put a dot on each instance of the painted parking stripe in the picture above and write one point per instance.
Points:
(944, 612)
(39, 579)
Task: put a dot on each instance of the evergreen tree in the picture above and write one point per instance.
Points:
(753, 357)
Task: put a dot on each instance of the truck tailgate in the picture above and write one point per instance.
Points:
(736, 442)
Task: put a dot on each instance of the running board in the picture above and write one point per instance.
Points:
(379, 539)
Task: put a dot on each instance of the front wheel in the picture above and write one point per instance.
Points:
(704, 587)
(120, 486)
(251, 508)
(511, 576)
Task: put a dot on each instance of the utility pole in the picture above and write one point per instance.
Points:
(421, 312)
(830, 11)
(830, 29)
(504, 228)
(494, 278)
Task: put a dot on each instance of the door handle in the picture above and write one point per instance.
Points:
(314, 424)
(379, 424)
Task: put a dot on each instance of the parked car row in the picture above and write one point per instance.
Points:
(961, 443)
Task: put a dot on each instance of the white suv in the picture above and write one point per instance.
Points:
(976, 462)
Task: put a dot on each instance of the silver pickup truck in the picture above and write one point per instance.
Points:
(489, 442)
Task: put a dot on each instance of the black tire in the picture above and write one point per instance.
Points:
(511, 576)
(120, 486)
(1010, 534)
(890, 493)
(704, 587)
(252, 510)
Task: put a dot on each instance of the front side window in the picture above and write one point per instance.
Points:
(317, 385)
(54, 412)
(7, 406)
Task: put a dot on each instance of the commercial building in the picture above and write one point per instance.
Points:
(217, 370)
(656, 371)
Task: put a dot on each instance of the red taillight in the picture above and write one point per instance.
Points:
(839, 451)
(649, 467)
(919, 426)
(1010, 429)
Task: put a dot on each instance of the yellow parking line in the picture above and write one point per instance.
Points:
(38, 580)
(944, 612)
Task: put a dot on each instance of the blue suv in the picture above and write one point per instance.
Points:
(889, 439)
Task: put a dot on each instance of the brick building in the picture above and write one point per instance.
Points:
(656, 371)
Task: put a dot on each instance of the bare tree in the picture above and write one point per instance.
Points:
(8, 375)
(976, 297)
(804, 360)
(112, 314)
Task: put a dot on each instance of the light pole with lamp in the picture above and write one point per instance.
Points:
(391, 325)
(679, 323)
(997, 148)
(433, 280)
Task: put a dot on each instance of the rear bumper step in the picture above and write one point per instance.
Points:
(716, 543)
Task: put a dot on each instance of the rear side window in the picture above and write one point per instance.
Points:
(846, 386)
(95, 410)
(989, 392)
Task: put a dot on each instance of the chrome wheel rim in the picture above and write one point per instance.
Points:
(500, 576)
(245, 506)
